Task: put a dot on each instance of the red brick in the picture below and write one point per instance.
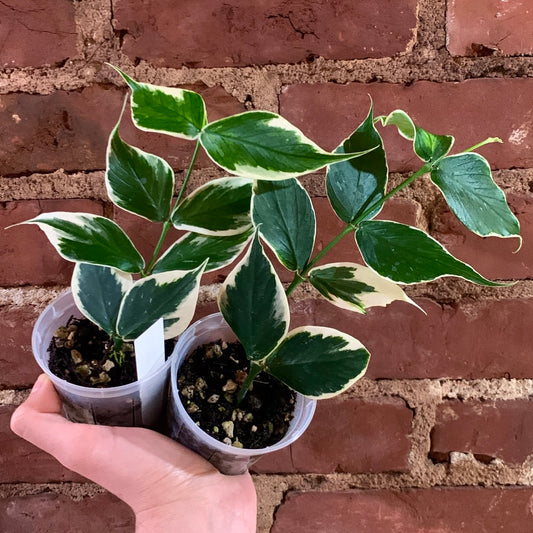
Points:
(362, 436)
(50, 513)
(70, 130)
(240, 33)
(18, 368)
(30, 37)
(500, 26)
(493, 257)
(470, 340)
(20, 461)
(469, 110)
(419, 510)
(496, 429)
(26, 256)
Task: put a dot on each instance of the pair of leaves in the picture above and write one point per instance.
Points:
(315, 361)
(126, 309)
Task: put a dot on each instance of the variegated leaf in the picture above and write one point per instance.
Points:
(355, 287)
(253, 303)
(354, 186)
(137, 181)
(87, 238)
(286, 219)
(408, 255)
(193, 249)
(221, 207)
(466, 182)
(427, 146)
(318, 362)
(169, 295)
(263, 145)
(98, 292)
(177, 112)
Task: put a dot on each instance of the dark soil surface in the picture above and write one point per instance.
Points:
(209, 381)
(79, 354)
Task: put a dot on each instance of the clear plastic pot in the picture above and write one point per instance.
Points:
(227, 459)
(141, 403)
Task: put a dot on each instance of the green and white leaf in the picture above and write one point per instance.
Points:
(428, 146)
(408, 255)
(177, 112)
(466, 182)
(193, 249)
(355, 287)
(253, 303)
(98, 292)
(286, 219)
(137, 181)
(88, 238)
(263, 145)
(318, 362)
(221, 207)
(169, 295)
(354, 186)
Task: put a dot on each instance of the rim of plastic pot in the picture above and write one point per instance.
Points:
(184, 347)
(56, 314)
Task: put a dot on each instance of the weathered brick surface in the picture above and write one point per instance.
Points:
(497, 429)
(30, 36)
(51, 513)
(18, 368)
(469, 110)
(483, 339)
(362, 436)
(239, 33)
(500, 26)
(26, 256)
(70, 130)
(20, 461)
(493, 257)
(425, 511)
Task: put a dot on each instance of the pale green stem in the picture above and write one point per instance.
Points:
(255, 369)
(168, 223)
(352, 226)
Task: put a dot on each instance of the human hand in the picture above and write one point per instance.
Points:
(169, 487)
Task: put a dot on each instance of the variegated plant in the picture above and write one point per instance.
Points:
(262, 200)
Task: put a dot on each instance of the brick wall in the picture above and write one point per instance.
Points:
(438, 436)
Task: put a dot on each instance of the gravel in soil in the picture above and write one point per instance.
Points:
(209, 382)
(79, 354)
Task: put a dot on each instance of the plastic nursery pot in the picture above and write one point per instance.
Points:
(140, 403)
(227, 459)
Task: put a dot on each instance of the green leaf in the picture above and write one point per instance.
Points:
(193, 249)
(355, 287)
(170, 295)
(253, 303)
(89, 238)
(286, 219)
(263, 145)
(427, 146)
(177, 112)
(318, 362)
(98, 292)
(137, 181)
(221, 207)
(466, 182)
(355, 185)
(408, 255)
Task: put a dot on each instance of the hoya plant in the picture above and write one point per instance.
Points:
(262, 201)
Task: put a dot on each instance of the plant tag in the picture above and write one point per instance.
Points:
(150, 350)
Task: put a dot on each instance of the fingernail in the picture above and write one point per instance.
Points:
(38, 384)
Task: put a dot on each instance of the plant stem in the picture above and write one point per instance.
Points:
(252, 374)
(168, 223)
(352, 226)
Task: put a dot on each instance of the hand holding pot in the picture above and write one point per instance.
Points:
(167, 486)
